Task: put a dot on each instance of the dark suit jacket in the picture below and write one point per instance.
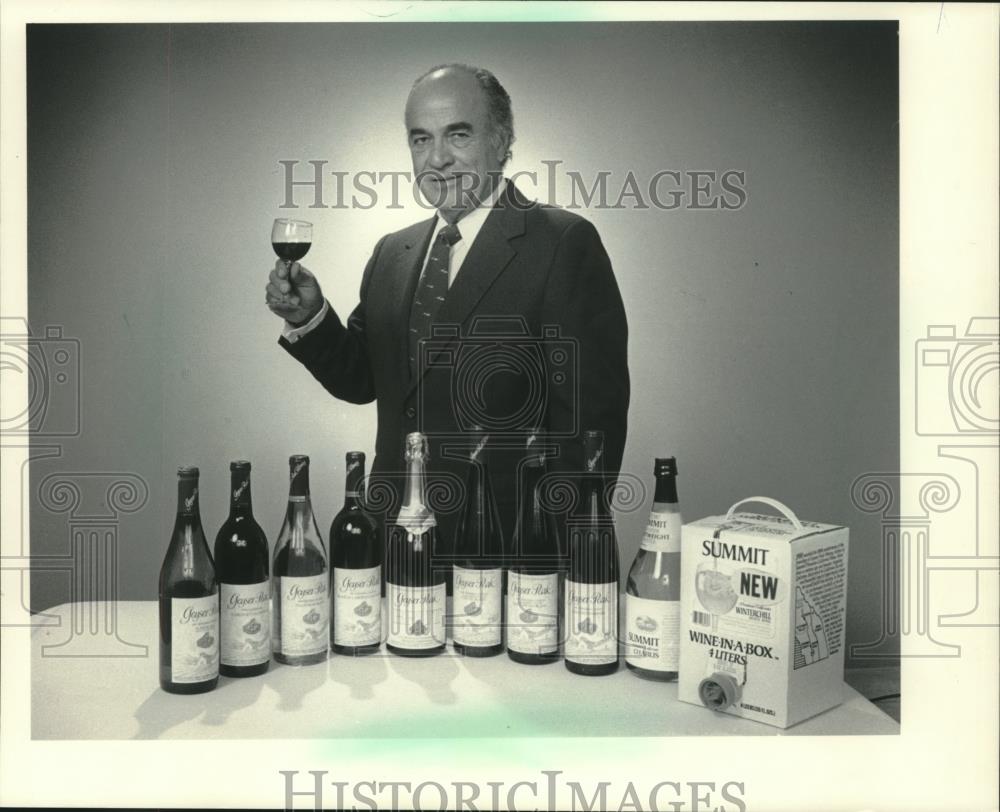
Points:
(533, 268)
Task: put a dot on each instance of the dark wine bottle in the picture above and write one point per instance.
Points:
(591, 606)
(533, 579)
(415, 589)
(477, 597)
(356, 551)
(189, 600)
(300, 594)
(241, 565)
(653, 589)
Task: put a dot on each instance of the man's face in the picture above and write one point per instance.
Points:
(455, 161)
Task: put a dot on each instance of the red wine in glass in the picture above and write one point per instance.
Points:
(291, 239)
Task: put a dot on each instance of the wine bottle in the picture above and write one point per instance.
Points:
(415, 590)
(356, 551)
(533, 579)
(300, 596)
(241, 565)
(189, 600)
(477, 598)
(591, 603)
(653, 590)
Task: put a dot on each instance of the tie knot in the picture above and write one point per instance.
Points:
(450, 234)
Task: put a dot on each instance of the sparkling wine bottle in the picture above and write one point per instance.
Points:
(300, 595)
(591, 603)
(241, 564)
(356, 551)
(415, 590)
(535, 572)
(653, 590)
(477, 597)
(189, 600)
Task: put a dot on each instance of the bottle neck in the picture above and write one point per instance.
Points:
(666, 493)
(414, 495)
(414, 515)
(298, 486)
(594, 493)
(240, 503)
(187, 501)
(354, 484)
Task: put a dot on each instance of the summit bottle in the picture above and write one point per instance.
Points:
(241, 563)
(300, 596)
(591, 602)
(356, 553)
(189, 600)
(477, 601)
(536, 568)
(653, 590)
(415, 589)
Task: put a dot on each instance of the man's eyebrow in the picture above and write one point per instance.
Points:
(456, 127)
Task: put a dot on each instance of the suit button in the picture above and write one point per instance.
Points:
(411, 412)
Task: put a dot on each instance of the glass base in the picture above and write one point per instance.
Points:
(244, 670)
(650, 674)
(355, 651)
(592, 670)
(533, 659)
(188, 687)
(415, 652)
(300, 659)
(478, 651)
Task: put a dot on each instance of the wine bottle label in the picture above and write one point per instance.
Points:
(652, 636)
(245, 623)
(477, 599)
(194, 639)
(305, 614)
(532, 613)
(357, 606)
(416, 615)
(591, 623)
(663, 533)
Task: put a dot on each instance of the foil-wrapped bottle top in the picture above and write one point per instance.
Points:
(416, 447)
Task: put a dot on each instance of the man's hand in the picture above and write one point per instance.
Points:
(293, 293)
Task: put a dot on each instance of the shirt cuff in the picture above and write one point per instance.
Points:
(293, 334)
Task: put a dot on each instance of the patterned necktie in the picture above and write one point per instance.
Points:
(431, 290)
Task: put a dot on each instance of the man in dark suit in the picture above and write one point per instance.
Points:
(499, 311)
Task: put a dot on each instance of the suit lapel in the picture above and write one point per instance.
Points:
(490, 254)
(404, 271)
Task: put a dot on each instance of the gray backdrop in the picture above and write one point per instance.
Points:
(763, 342)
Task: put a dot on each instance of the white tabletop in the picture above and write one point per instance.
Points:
(380, 696)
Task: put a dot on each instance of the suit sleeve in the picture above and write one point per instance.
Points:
(582, 297)
(337, 354)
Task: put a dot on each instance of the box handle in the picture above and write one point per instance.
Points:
(787, 511)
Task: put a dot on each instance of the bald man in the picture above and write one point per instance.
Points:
(488, 267)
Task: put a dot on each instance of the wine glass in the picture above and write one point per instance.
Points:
(291, 239)
(715, 592)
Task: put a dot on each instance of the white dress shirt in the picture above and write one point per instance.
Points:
(469, 227)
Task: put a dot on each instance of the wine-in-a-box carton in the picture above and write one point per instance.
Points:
(763, 605)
